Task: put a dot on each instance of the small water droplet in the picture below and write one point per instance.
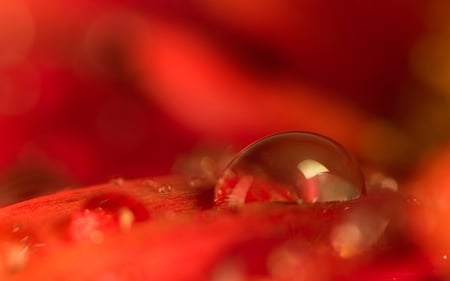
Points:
(105, 213)
(290, 167)
(165, 188)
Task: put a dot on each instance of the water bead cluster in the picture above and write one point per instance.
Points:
(293, 167)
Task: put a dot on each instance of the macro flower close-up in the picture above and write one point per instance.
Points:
(224, 140)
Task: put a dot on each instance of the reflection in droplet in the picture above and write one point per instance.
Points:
(290, 167)
(311, 168)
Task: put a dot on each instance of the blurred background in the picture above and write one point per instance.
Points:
(94, 90)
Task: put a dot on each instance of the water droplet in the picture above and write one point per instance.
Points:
(106, 213)
(165, 188)
(290, 167)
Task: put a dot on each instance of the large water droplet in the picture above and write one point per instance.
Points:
(290, 167)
